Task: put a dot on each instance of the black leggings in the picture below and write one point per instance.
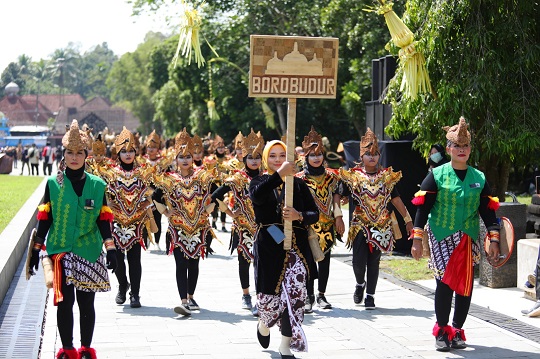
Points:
(243, 271)
(324, 273)
(443, 305)
(187, 273)
(64, 315)
(364, 259)
(157, 235)
(157, 217)
(135, 268)
(223, 215)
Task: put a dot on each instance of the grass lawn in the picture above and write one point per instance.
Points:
(406, 268)
(524, 199)
(15, 192)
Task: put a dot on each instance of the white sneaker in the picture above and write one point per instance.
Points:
(534, 311)
(182, 309)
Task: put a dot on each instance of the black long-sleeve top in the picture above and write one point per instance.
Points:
(430, 186)
(270, 257)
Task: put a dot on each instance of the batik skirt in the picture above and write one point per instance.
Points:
(82, 274)
(443, 249)
(292, 297)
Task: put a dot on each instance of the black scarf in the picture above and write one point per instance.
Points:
(74, 175)
(313, 171)
(76, 179)
(127, 167)
(252, 173)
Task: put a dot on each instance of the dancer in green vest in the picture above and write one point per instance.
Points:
(451, 200)
(75, 220)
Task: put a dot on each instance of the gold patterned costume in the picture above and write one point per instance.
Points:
(372, 193)
(129, 196)
(322, 188)
(187, 199)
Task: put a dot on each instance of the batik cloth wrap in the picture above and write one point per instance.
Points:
(292, 297)
(441, 252)
(372, 194)
(83, 275)
(323, 188)
(128, 193)
(244, 227)
(187, 198)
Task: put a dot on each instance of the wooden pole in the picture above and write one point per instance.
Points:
(289, 180)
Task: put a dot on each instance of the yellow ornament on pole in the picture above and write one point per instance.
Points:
(415, 76)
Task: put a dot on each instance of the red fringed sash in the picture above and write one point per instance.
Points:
(459, 269)
(57, 279)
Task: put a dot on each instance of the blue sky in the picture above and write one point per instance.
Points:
(38, 27)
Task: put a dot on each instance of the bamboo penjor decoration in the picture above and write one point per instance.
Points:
(190, 28)
(415, 76)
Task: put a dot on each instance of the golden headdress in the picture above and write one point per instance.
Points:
(153, 140)
(458, 134)
(312, 142)
(253, 144)
(198, 146)
(369, 143)
(183, 144)
(98, 146)
(218, 142)
(75, 139)
(125, 141)
(238, 141)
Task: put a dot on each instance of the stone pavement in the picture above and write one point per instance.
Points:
(400, 327)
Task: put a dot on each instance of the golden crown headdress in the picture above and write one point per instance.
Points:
(198, 146)
(369, 143)
(125, 141)
(312, 142)
(218, 142)
(458, 134)
(98, 146)
(75, 139)
(153, 140)
(183, 144)
(253, 144)
(238, 141)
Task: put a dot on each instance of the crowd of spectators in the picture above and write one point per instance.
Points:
(31, 157)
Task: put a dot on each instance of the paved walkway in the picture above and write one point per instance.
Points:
(399, 328)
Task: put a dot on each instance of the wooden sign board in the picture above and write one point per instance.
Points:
(293, 66)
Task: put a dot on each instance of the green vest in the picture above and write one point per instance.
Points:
(74, 228)
(457, 202)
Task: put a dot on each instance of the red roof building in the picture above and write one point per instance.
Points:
(97, 113)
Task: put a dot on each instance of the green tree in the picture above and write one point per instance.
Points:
(63, 68)
(484, 63)
(227, 26)
(12, 73)
(129, 82)
(362, 38)
(94, 69)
